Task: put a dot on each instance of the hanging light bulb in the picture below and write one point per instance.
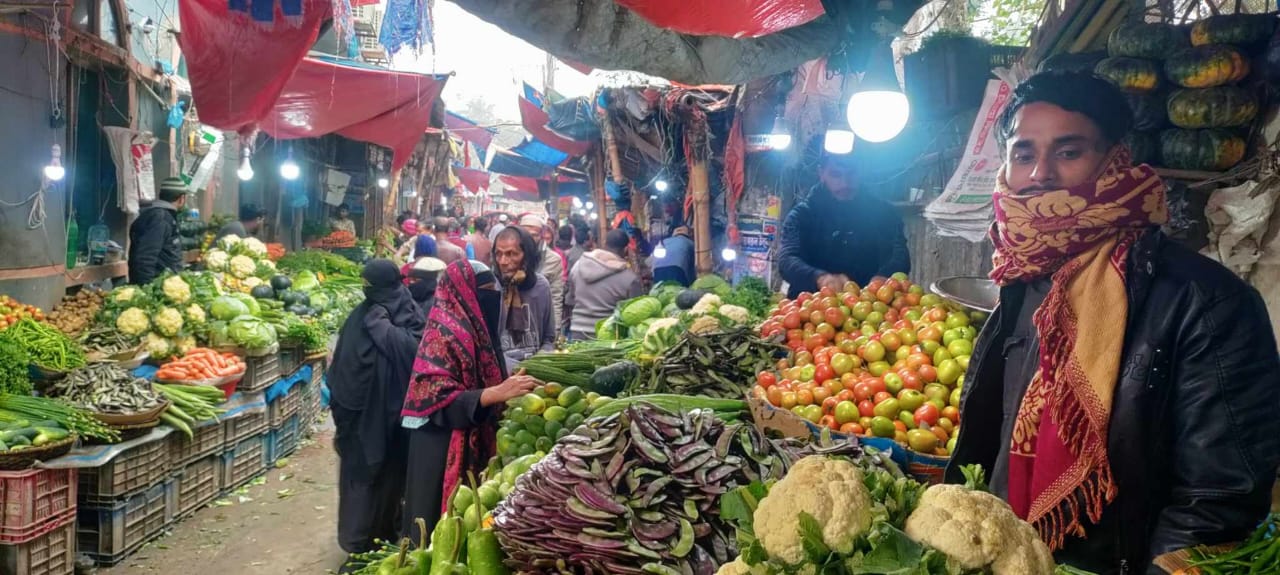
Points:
(780, 137)
(591, 205)
(728, 254)
(289, 170)
(660, 251)
(653, 198)
(444, 200)
(878, 110)
(245, 171)
(593, 215)
(661, 185)
(839, 138)
(383, 183)
(577, 202)
(54, 172)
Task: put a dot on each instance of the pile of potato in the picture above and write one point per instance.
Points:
(75, 313)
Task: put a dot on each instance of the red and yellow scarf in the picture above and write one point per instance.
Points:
(1081, 237)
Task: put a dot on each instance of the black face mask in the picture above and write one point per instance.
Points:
(491, 308)
(421, 291)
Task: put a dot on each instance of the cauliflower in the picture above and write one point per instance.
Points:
(735, 313)
(704, 325)
(242, 266)
(216, 260)
(176, 289)
(168, 321)
(978, 531)
(831, 491)
(133, 321)
(658, 325)
(706, 305)
(125, 294)
(194, 314)
(737, 567)
(184, 344)
(254, 246)
(228, 242)
(252, 282)
(159, 347)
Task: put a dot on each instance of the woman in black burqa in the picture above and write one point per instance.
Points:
(368, 380)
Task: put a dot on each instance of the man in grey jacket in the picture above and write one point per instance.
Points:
(600, 280)
(552, 266)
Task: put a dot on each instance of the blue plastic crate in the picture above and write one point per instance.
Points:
(246, 460)
(109, 533)
(283, 441)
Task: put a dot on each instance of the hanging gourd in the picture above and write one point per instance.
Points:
(1130, 74)
(1212, 150)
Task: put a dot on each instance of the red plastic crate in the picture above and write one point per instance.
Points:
(53, 553)
(34, 502)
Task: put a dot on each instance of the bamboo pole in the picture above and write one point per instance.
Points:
(611, 142)
(596, 176)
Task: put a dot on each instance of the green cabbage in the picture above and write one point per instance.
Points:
(305, 281)
(666, 291)
(712, 283)
(319, 301)
(218, 336)
(227, 308)
(250, 302)
(635, 311)
(608, 329)
(251, 332)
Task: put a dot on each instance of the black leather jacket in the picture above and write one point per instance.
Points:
(1194, 440)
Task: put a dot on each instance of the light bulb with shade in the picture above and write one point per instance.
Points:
(660, 251)
(245, 171)
(289, 170)
(838, 140)
(660, 185)
(383, 183)
(728, 254)
(878, 115)
(54, 172)
(780, 137)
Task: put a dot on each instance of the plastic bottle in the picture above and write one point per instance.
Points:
(73, 241)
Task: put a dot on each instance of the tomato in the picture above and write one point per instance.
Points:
(849, 299)
(927, 413)
(930, 333)
(863, 391)
(917, 360)
(877, 384)
(815, 317)
(946, 424)
(900, 426)
(846, 395)
(866, 408)
(849, 381)
(823, 373)
(820, 394)
(829, 404)
(774, 395)
(851, 429)
(846, 412)
(826, 330)
(891, 316)
(834, 387)
(804, 397)
(803, 358)
(841, 363)
(873, 351)
(949, 371)
(941, 433)
(814, 342)
(806, 373)
(766, 379)
(791, 320)
(834, 315)
(829, 422)
(788, 400)
(928, 373)
(826, 291)
(912, 299)
(878, 368)
(910, 380)
(891, 341)
(861, 310)
(881, 396)
(951, 413)
(803, 298)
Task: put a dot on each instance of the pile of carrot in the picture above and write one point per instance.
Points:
(275, 251)
(201, 363)
(338, 239)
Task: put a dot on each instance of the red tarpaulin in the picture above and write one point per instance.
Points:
(524, 189)
(368, 104)
(535, 121)
(238, 65)
(472, 179)
(468, 130)
(732, 18)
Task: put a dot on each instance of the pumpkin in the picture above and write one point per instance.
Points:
(1220, 107)
(1150, 41)
(1212, 150)
(1148, 110)
(1206, 66)
(1129, 74)
(1234, 29)
(1144, 147)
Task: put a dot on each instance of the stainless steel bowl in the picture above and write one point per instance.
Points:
(976, 293)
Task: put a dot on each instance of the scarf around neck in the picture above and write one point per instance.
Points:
(1080, 236)
(517, 320)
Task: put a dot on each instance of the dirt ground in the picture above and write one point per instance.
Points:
(285, 524)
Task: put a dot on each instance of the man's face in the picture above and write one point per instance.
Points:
(534, 231)
(182, 201)
(838, 179)
(1051, 148)
(254, 224)
(342, 214)
(509, 255)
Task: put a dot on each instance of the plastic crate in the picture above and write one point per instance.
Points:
(240, 464)
(285, 406)
(110, 533)
(242, 426)
(35, 501)
(290, 358)
(283, 441)
(53, 553)
(317, 370)
(260, 373)
(209, 438)
(195, 485)
(135, 469)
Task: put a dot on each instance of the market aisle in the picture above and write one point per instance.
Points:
(287, 526)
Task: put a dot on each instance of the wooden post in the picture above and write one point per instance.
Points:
(597, 176)
(700, 187)
(555, 197)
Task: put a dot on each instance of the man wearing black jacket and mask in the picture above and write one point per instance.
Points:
(840, 233)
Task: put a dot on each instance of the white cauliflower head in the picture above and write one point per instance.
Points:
(228, 242)
(707, 304)
(159, 347)
(704, 325)
(133, 321)
(737, 567)
(216, 260)
(735, 313)
(661, 324)
(194, 314)
(176, 289)
(831, 491)
(252, 282)
(978, 530)
(242, 266)
(124, 294)
(168, 321)
(254, 246)
(184, 344)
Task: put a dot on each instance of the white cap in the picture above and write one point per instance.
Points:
(502, 218)
(532, 221)
(429, 264)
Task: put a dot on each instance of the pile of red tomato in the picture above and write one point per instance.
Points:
(885, 360)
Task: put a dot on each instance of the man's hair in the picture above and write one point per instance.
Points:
(1079, 92)
(528, 245)
(250, 212)
(617, 241)
(441, 224)
(582, 234)
(565, 233)
(404, 216)
(482, 224)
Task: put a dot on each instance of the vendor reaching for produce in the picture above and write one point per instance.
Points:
(1123, 393)
(154, 243)
(251, 218)
(457, 378)
(598, 283)
(840, 233)
(527, 323)
(368, 381)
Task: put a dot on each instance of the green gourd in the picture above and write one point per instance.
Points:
(1130, 74)
(1151, 41)
(484, 555)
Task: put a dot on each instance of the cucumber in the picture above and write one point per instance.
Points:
(11, 435)
(3, 447)
(49, 435)
(18, 441)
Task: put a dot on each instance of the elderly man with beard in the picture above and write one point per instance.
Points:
(528, 322)
(1123, 395)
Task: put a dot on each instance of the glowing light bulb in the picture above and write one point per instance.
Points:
(660, 251)
(591, 205)
(661, 185)
(289, 170)
(383, 183)
(838, 141)
(728, 254)
(577, 202)
(54, 172)
(245, 171)
(878, 115)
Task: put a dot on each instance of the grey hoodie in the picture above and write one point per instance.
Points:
(597, 284)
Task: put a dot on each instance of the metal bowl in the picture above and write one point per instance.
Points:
(976, 293)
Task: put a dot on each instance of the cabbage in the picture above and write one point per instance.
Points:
(666, 291)
(218, 336)
(251, 332)
(609, 329)
(255, 308)
(305, 281)
(227, 308)
(635, 311)
(712, 283)
(319, 301)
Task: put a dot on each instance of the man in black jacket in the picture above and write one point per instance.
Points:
(840, 233)
(1165, 435)
(154, 244)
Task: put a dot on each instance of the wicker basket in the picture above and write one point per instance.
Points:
(24, 459)
(133, 419)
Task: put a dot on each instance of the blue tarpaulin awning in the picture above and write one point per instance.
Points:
(541, 153)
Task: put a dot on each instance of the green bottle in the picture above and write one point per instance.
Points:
(73, 240)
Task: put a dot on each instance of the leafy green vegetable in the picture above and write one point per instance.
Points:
(319, 261)
(14, 362)
(975, 477)
(811, 538)
(751, 293)
(712, 283)
(666, 291)
(633, 312)
(251, 332)
(305, 280)
(226, 308)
